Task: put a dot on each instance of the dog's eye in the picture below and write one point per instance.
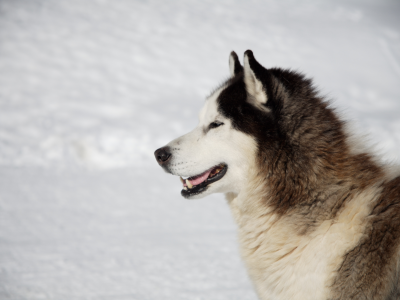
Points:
(215, 124)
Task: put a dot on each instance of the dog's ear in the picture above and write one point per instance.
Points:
(234, 64)
(254, 76)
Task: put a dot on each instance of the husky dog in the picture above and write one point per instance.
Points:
(317, 219)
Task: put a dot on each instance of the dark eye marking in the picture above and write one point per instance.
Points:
(215, 124)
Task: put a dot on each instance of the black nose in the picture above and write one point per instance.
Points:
(162, 155)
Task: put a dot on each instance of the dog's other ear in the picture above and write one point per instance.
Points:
(234, 64)
(253, 74)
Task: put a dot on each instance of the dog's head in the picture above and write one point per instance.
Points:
(241, 126)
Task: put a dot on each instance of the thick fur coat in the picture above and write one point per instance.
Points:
(317, 218)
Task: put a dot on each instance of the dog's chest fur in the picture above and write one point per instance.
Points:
(286, 263)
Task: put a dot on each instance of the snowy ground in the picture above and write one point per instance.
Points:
(89, 89)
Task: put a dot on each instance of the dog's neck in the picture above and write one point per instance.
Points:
(290, 190)
(282, 251)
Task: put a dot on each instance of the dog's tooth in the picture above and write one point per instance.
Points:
(183, 181)
(189, 184)
(185, 188)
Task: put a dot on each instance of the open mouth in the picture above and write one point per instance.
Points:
(197, 184)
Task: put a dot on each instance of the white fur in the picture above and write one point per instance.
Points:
(285, 264)
(201, 149)
(253, 86)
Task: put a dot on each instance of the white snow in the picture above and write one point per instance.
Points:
(89, 89)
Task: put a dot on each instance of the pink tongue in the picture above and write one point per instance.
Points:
(199, 179)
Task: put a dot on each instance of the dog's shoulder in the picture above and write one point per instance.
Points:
(371, 269)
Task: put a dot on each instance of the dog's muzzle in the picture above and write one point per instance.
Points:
(163, 156)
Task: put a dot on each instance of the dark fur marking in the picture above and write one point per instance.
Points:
(237, 66)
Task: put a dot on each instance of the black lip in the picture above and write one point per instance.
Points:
(198, 189)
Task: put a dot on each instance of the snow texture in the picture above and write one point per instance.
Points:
(89, 89)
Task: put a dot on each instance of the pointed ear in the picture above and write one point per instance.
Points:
(253, 73)
(234, 64)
